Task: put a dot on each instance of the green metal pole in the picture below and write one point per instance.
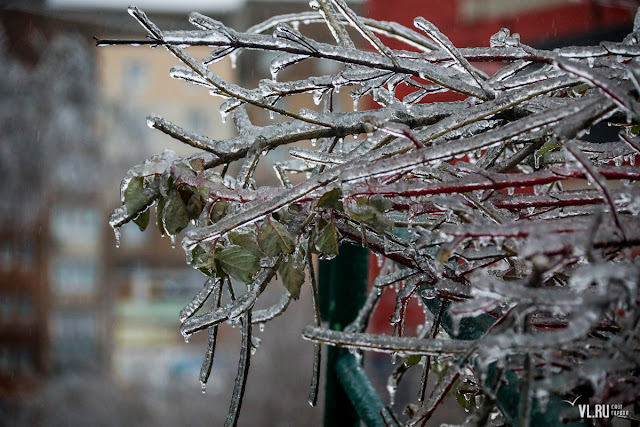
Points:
(362, 395)
(349, 395)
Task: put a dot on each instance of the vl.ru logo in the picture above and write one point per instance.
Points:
(603, 410)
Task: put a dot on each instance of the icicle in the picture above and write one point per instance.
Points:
(207, 363)
(173, 241)
(198, 300)
(392, 387)
(255, 343)
(317, 96)
(379, 259)
(117, 232)
(234, 59)
(243, 371)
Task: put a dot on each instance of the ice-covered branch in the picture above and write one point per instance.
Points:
(481, 209)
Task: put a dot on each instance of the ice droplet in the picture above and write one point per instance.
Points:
(117, 233)
(317, 96)
(391, 389)
(203, 386)
(255, 343)
(173, 241)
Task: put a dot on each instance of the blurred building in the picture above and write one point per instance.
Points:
(23, 312)
(49, 282)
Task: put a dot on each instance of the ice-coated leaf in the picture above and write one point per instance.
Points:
(175, 216)
(142, 220)
(414, 359)
(371, 216)
(331, 199)
(238, 263)
(134, 197)
(160, 214)
(274, 239)
(194, 206)
(377, 202)
(218, 211)
(326, 238)
(203, 260)
(247, 241)
(292, 275)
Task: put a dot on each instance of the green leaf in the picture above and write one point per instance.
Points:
(204, 192)
(462, 400)
(185, 191)
(247, 241)
(176, 217)
(197, 165)
(134, 196)
(331, 199)
(274, 239)
(371, 216)
(203, 260)
(286, 214)
(380, 203)
(142, 220)
(326, 241)
(292, 274)
(159, 214)
(238, 263)
(414, 359)
(166, 186)
(194, 206)
(549, 146)
(218, 211)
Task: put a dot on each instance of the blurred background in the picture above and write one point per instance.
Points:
(89, 334)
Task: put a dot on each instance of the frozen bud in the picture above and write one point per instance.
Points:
(504, 38)
(368, 127)
(370, 124)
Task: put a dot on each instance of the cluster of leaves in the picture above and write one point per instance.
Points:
(532, 284)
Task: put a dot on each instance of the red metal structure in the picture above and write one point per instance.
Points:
(470, 23)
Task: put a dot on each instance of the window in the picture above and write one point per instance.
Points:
(74, 278)
(74, 224)
(135, 76)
